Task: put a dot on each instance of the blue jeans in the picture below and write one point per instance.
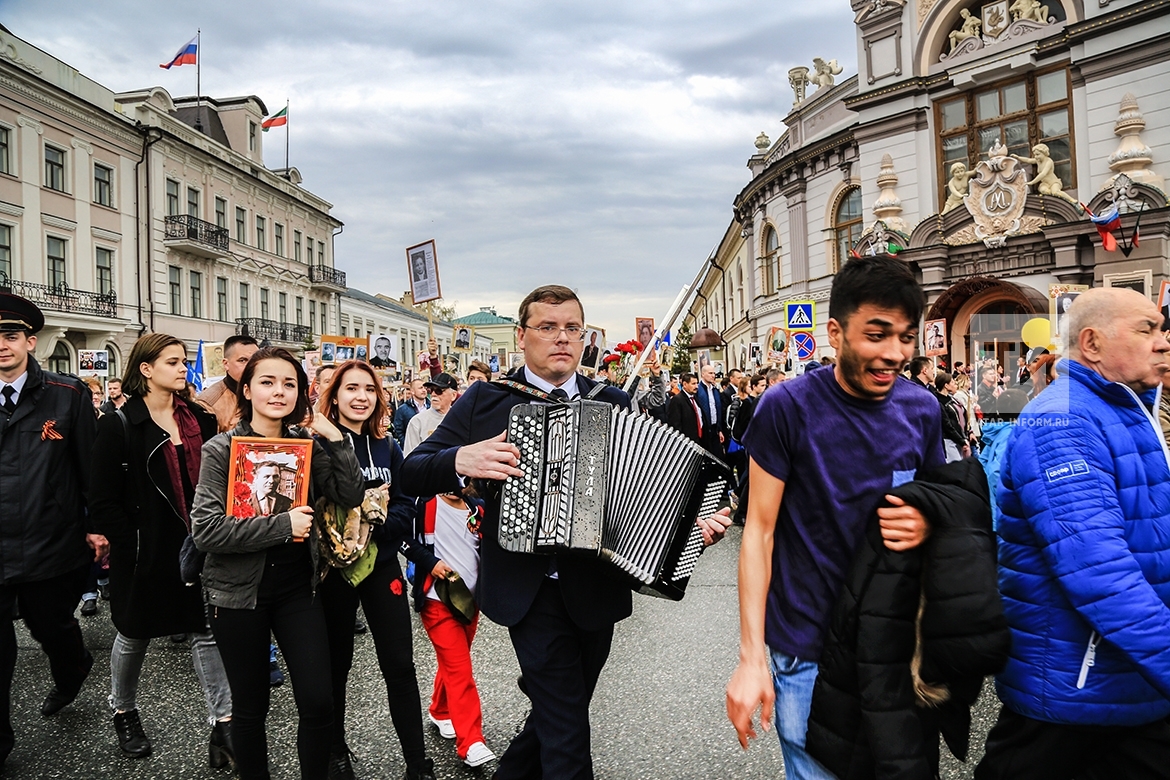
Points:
(793, 680)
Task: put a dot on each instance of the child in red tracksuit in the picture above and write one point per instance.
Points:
(448, 528)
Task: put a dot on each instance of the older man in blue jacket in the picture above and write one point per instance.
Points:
(1084, 559)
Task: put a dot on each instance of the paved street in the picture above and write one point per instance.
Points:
(658, 712)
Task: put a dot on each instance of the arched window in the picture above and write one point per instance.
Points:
(60, 361)
(771, 260)
(847, 224)
(113, 362)
(739, 286)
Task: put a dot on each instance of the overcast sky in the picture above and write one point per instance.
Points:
(595, 144)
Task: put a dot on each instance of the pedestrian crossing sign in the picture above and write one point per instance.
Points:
(801, 315)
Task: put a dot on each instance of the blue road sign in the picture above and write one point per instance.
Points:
(804, 344)
(801, 315)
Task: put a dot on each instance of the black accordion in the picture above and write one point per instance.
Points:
(603, 481)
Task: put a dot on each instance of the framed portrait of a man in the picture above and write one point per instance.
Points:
(462, 338)
(935, 338)
(385, 351)
(267, 476)
(594, 344)
(515, 360)
(422, 264)
(1060, 299)
(213, 365)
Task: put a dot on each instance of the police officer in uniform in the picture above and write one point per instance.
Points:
(47, 429)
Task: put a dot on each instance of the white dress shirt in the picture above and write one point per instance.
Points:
(570, 385)
(18, 385)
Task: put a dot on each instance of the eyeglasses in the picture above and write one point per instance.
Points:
(552, 332)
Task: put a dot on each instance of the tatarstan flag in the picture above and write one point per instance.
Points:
(279, 119)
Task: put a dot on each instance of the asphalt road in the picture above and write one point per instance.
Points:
(658, 712)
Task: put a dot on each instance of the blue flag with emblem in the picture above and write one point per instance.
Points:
(195, 373)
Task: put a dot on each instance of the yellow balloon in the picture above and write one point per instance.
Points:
(1036, 332)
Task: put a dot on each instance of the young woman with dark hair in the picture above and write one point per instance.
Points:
(144, 470)
(258, 580)
(354, 402)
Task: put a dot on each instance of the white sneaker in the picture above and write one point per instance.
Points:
(478, 755)
(446, 730)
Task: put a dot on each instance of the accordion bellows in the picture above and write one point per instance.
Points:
(604, 481)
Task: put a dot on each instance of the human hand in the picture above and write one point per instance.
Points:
(903, 526)
(321, 426)
(442, 571)
(99, 544)
(721, 439)
(750, 687)
(300, 520)
(715, 526)
(652, 362)
(432, 346)
(492, 458)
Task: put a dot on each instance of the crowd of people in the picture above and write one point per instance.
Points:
(139, 514)
(908, 529)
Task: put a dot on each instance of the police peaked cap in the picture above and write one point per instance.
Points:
(19, 314)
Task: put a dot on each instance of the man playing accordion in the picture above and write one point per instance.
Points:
(560, 610)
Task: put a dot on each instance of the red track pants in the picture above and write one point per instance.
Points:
(455, 697)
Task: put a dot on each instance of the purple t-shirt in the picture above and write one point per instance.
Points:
(838, 456)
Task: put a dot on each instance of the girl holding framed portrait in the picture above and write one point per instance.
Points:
(353, 402)
(257, 580)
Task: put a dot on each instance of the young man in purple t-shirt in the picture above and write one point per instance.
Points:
(825, 450)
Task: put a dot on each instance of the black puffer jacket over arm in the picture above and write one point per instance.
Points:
(912, 637)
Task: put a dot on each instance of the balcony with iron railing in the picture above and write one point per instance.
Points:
(327, 277)
(271, 330)
(194, 236)
(61, 297)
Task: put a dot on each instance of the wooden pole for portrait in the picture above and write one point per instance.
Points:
(430, 322)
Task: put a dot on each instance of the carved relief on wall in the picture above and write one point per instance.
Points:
(998, 22)
(996, 196)
(924, 7)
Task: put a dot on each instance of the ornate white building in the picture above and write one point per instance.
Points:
(135, 212)
(1078, 89)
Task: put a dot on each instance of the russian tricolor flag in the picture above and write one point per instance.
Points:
(185, 56)
(1107, 221)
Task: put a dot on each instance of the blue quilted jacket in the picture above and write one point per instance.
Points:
(1084, 555)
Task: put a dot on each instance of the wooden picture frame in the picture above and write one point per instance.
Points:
(422, 270)
(267, 476)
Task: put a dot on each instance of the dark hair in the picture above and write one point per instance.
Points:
(879, 280)
(757, 378)
(1010, 402)
(942, 379)
(327, 403)
(481, 367)
(549, 293)
(300, 409)
(146, 350)
(117, 379)
(238, 340)
(917, 364)
(686, 377)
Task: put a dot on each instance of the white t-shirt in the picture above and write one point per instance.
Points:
(455, 544)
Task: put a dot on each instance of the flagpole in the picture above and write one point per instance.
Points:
(198, 79)
(286, 169)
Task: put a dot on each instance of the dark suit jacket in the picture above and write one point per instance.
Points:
(508, 582)
(283, 504)
(680, 415)
(711, 428)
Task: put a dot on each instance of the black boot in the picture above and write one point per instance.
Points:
(340, 767)
(131, 737)
(423, 771)
(219, 746)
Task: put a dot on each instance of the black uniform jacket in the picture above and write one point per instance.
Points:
(508, 582)
(44, 474)
(138, 512)
(912, 636)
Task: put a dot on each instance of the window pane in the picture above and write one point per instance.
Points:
(954, 114)
(1064, 172)
(987, 105)
(987, 138)
(773, 241)
(105, 270)
(1051, 87)
(1016, 137)
(4, 167)
(954, 148)
(1015, 98)
(850, 208)
(5, 250)
(1054, 124)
